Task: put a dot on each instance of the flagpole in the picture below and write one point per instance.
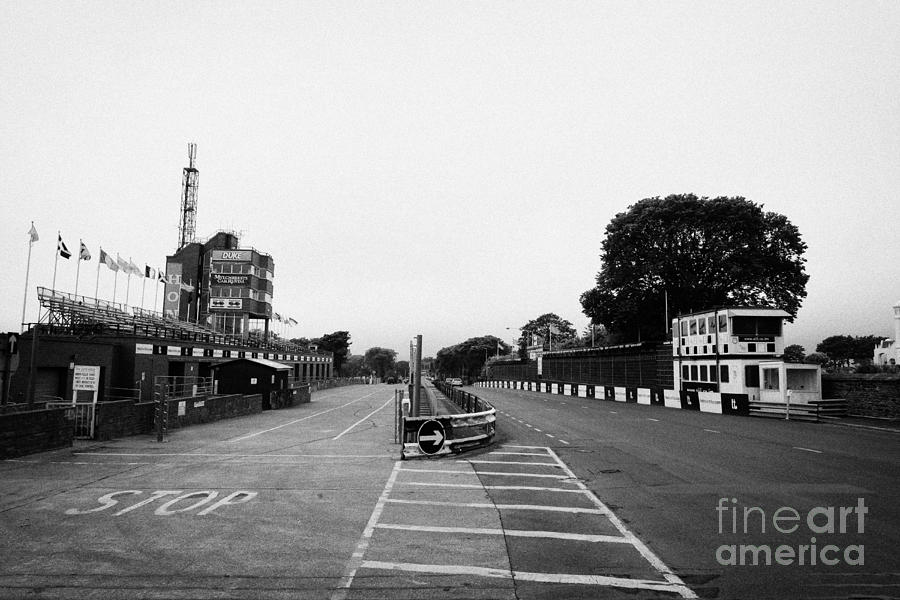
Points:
(128, 281)
(143, 287)
(78, 268)
(156, 293)
(56, 260)
(97, 286)
(115, 284)
(27, 272)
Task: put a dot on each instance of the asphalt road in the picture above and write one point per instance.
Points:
(663, 471)
(576, 499)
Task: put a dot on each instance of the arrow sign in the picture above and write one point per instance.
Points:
(431, 437)
(13, 347)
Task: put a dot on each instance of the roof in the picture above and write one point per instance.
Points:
(271, 364)
(744, 311)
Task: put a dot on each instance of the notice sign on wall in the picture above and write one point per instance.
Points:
(86, 378)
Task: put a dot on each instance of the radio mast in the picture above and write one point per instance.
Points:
(187, 229)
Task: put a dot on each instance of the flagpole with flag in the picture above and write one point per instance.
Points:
(32, 238)
(160, 276)
(83, 254)
(100, 261)
(61, 250)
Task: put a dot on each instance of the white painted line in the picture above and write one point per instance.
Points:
(576, 537)
(601, 580)
(356, 559)
(550, 435)
(564, 442)
(247, 437)
(509, 462)
(673, 580)
(612, 412)
(491, 505)
(807, 449)
(225, 455)
(529, 447)
(517, 453)
(478, 486)
(364, 419)
(712, 431)
(538, 430)
(656, 420)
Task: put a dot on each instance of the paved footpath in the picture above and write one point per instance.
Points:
(311, 502)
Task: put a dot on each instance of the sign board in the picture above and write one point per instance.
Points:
(11, 345)
(431, 437)
(172, 299)
(232, 255)
(230, 280)
(226, 303)
(182, 408)
(86, 378)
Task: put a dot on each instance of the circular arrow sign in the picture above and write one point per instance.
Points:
(431, 437)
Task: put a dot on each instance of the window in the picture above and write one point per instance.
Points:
(723, 323)
(771, 379)
(751, 347)
(685, 374)
(674, 332)
(693, 326)
(693, 372)
(704, 373)
(712, 324)
(751, 376)
(770, 348)
(724, 348)
(756, 325)
(701, 326)
(712, 373)
(723, 373)
(684, 328)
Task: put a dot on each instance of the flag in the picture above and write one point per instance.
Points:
(107, 260)
(186, 287)
(553, 329)
(33, 233)
(61, 248)
(84, 253)
(277, 317)
(122, 264)
(161, 276)
(149, 272)
(133, 269)
(292, 321)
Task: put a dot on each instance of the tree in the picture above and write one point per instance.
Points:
(694, 254)
(545, 326)
(467, 358)
(380, 360)
(354, 366)
(794, 353)
(338, 343)
(842, 349)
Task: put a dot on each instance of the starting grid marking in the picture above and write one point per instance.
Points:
(405, 476)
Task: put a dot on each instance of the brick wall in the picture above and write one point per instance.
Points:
(868, 395)
(123, 418)
(35, 431)
(205, 409)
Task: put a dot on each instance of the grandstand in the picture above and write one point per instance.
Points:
(83, 315)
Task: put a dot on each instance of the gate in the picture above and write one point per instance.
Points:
(84, 417)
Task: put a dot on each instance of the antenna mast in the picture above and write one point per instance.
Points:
(187, 229)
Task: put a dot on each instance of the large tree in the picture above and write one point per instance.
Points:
(842, 349)
(467, 358)
(338, 343)
(543, 328)
(380, 360)
(689, 254)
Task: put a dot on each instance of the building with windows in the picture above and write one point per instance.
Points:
(738, 351)
(888, 351)
(221, 285)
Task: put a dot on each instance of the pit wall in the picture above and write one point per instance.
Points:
(712, 402)
(875, 395)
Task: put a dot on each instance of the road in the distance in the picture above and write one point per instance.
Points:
(665, 471)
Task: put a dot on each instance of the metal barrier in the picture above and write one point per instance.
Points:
(472, 429)
(82, 416)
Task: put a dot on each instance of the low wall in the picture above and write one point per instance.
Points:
(206, 409)
(122, 418)
(868, 395)
(28, 432)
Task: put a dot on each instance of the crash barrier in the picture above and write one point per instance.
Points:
(439, 435)
(323, 384)
(710, 402)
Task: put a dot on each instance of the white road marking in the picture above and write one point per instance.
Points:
(712, 431)
(612, 412)
(247, 437)
(623, 582)
(356, 559)
(578, 537)
(508, 462)
(491, 505)
(656, 420)
(807, 449)
(520, 453)
(564, 442)
(221, 455)
(538, 430)
(478, 486)
(364, 419)
(550, 435)
(642, 548)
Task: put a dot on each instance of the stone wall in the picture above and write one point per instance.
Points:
(867, 395)
(33, 431)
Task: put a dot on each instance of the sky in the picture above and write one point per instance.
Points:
(445, 168)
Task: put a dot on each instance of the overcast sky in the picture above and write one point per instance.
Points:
(446, 168)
